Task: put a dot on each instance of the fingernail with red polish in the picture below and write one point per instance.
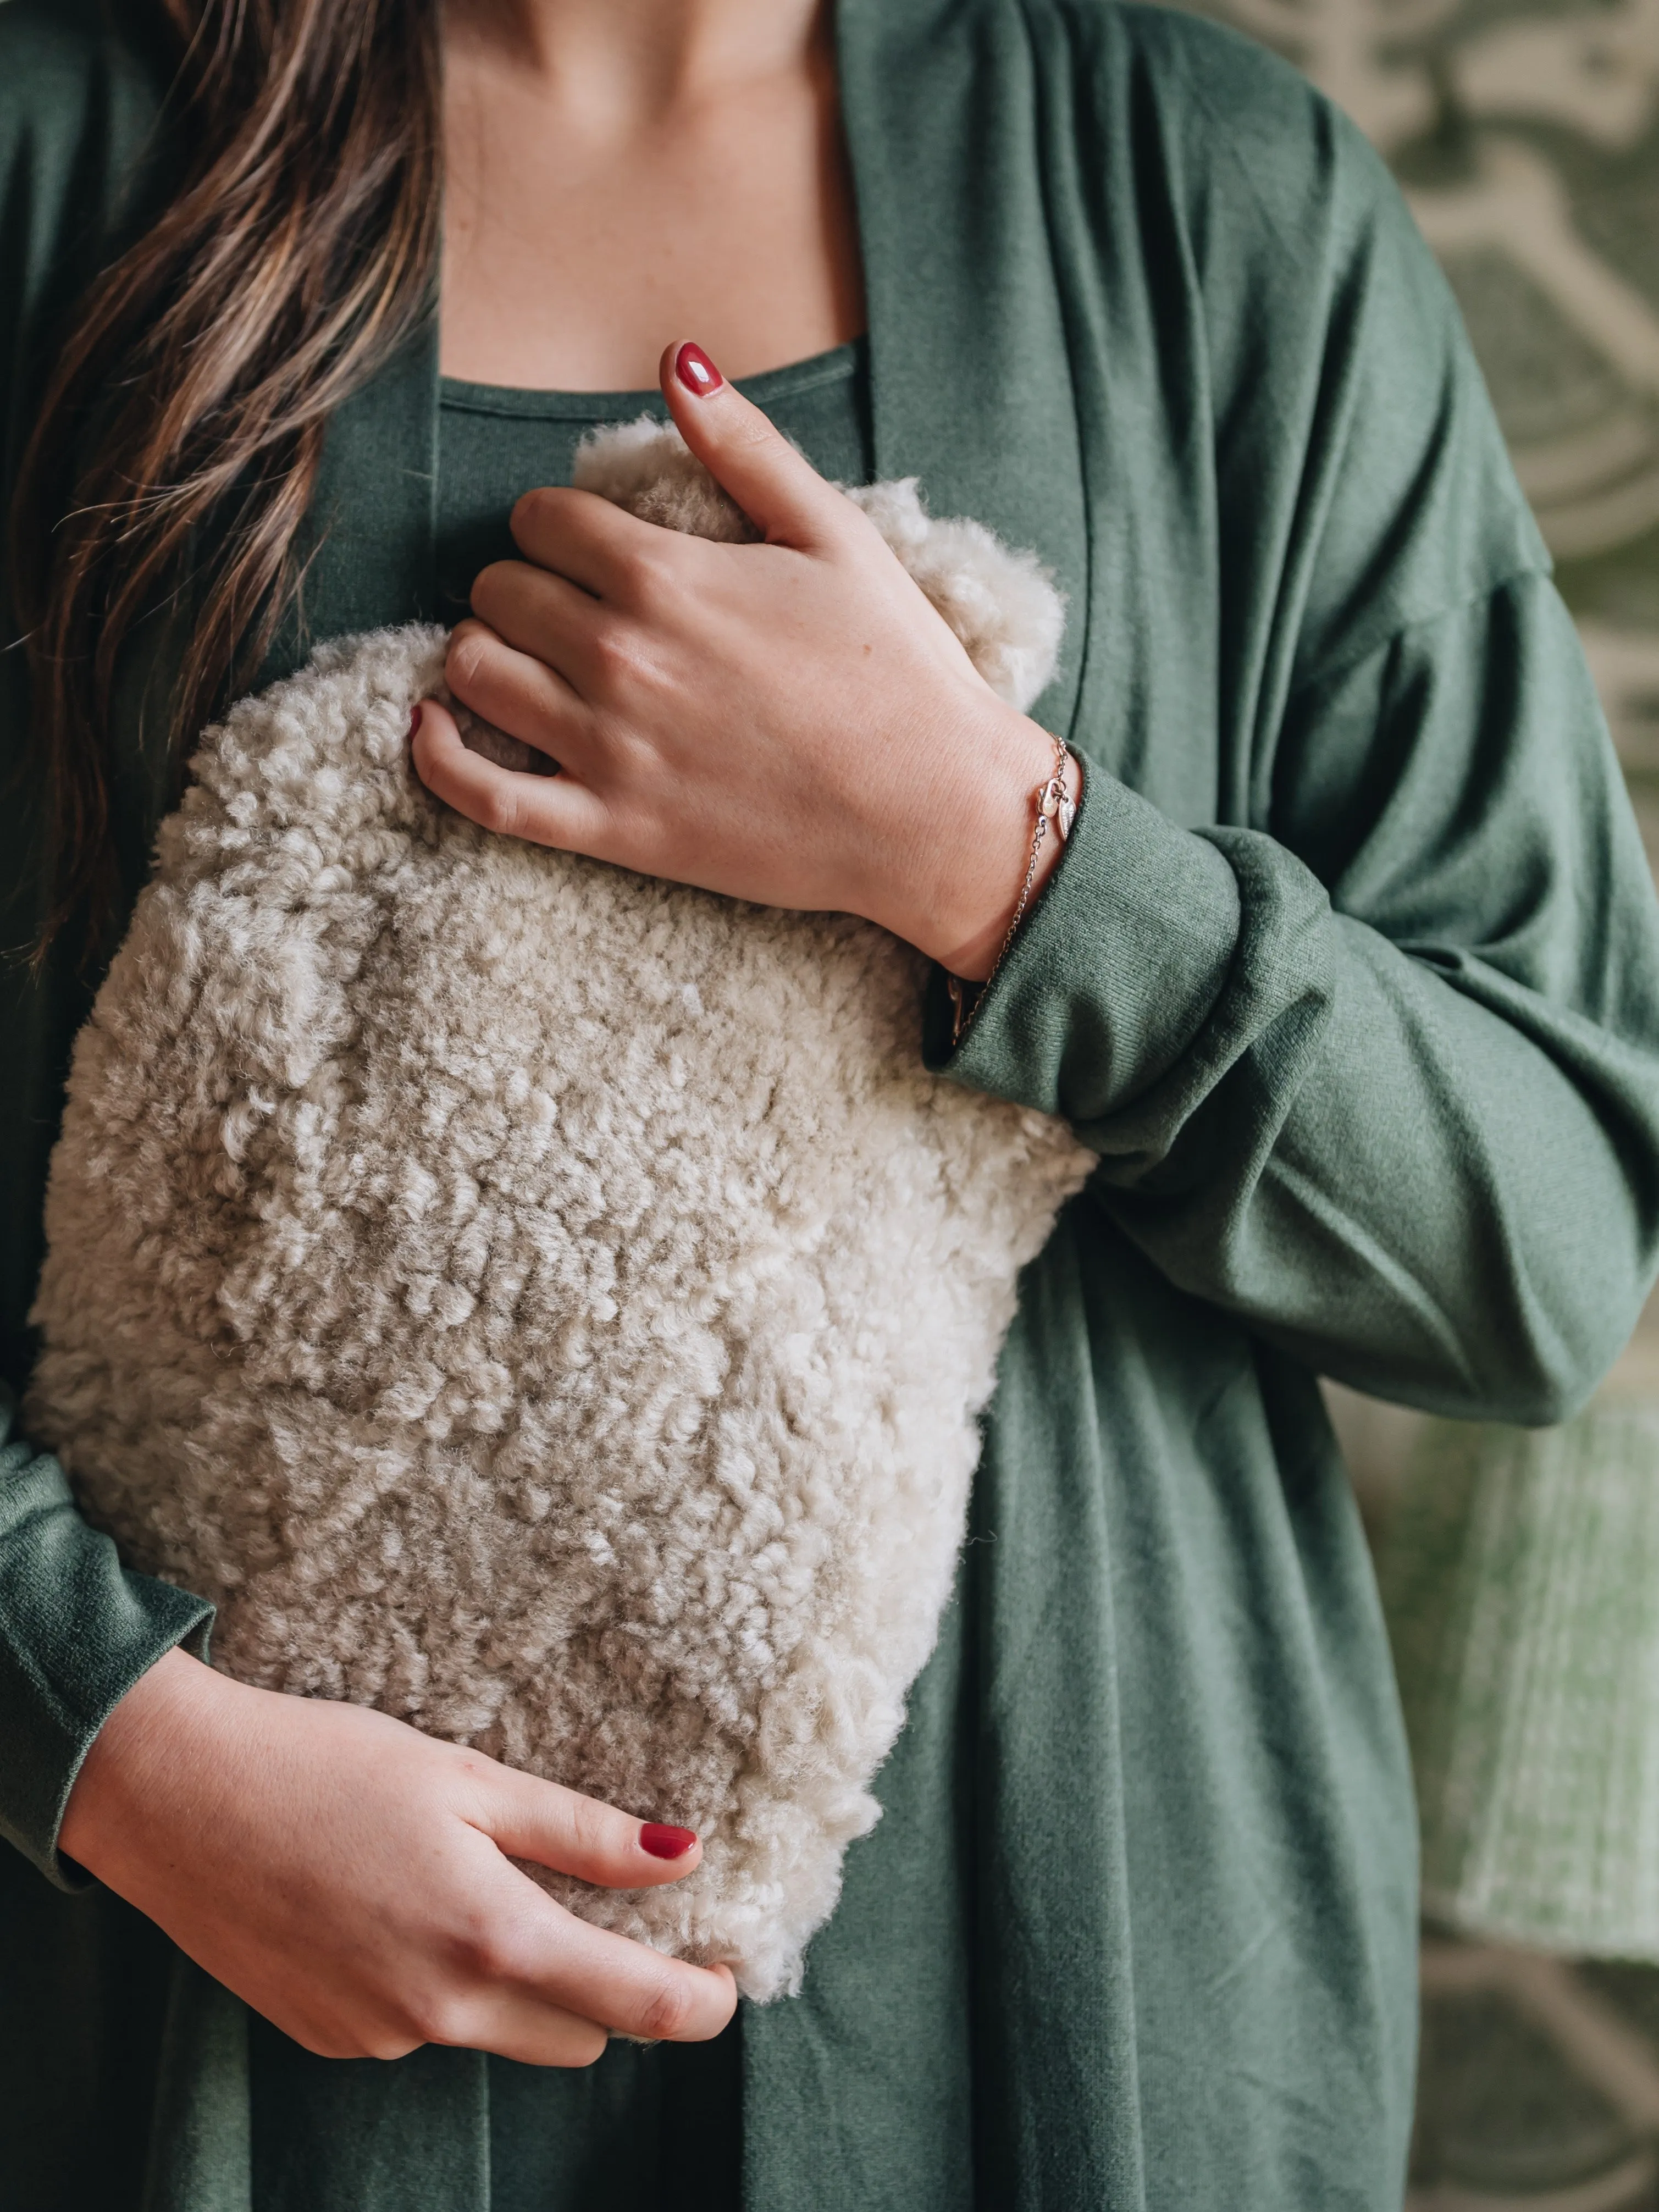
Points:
(696, 371)
(414, 720)
(664, 1843)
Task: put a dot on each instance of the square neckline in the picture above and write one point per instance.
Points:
(766, 389)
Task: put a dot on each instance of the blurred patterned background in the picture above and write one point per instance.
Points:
(1527, 136)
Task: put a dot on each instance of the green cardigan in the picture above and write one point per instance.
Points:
(1351, 978)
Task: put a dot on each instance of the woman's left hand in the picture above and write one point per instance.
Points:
(789, 721)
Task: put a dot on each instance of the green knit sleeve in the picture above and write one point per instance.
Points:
(1368, 1043)
(76, 1631)
(1405, 1118)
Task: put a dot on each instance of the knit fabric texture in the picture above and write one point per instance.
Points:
(549, 1305)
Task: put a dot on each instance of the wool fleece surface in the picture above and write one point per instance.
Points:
(548, 1304)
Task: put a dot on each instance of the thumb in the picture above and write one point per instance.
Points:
(778, 488)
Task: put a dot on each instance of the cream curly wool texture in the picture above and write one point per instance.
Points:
(546, 1303)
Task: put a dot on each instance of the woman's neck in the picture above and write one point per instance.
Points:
(622, 172)
(631, 60)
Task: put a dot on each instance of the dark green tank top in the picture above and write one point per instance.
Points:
(642, 2128)
(495, 443)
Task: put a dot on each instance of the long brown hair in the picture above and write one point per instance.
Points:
(294, 253)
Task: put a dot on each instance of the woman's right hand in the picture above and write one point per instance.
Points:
(351, 1877)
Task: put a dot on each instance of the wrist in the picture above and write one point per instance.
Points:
(964, 891)
(137, 1745)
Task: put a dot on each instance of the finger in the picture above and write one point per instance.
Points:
(625, 1986)
(536, 610)
(542, 689)
(512, 2023)
(593, 542)
(546, 809)
(588, 1970)
(556, 1827)
(778, 488)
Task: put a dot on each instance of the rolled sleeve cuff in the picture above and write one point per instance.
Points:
(1113, 973)
(77, 1631)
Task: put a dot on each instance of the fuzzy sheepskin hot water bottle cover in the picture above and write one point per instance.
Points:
(548, 1304)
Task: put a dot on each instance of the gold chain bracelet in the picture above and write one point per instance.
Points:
(1053, 804)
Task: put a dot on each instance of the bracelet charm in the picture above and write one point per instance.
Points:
(1054, 804)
